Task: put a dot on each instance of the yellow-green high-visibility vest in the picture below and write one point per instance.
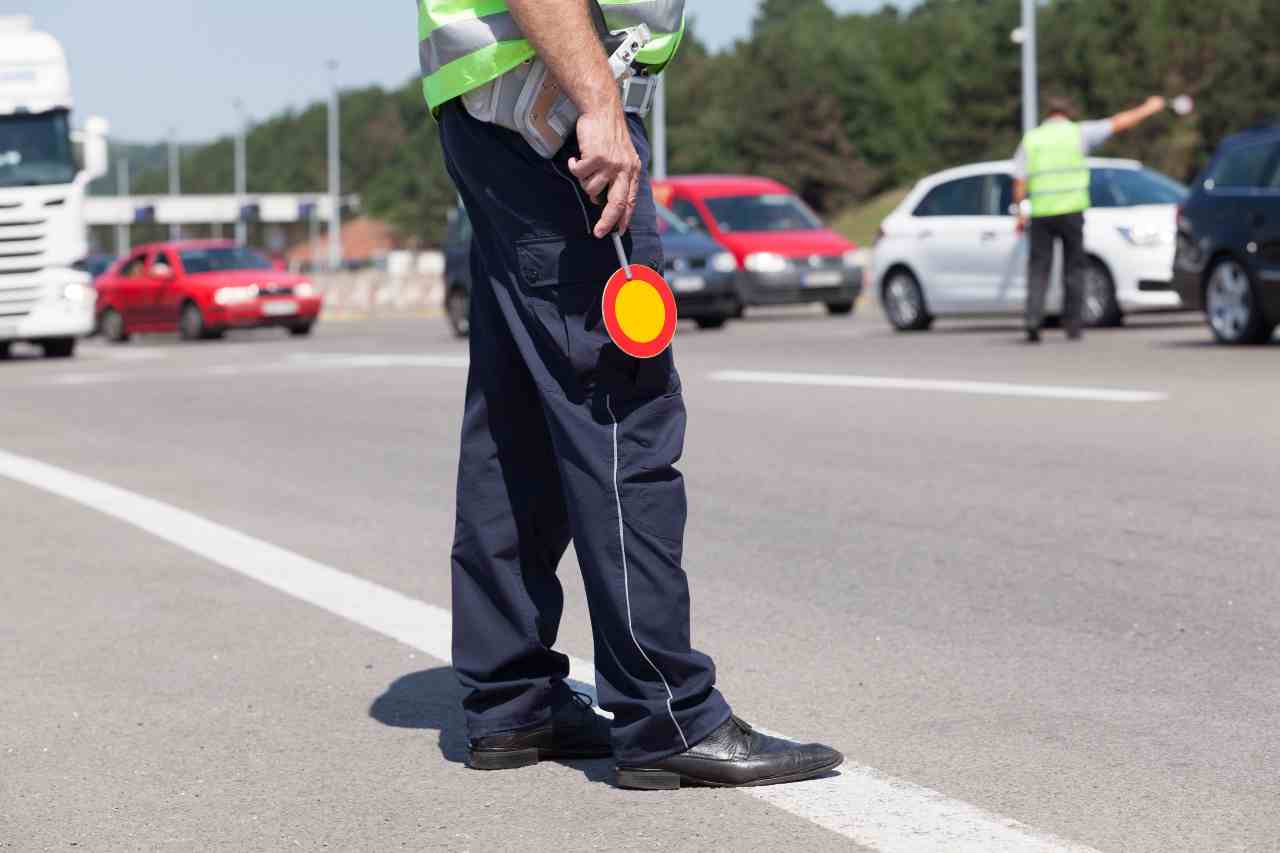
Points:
(1057, 169)
(464, 44)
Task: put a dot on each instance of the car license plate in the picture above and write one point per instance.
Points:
(688, 283)
(280, 308)
(825, 278)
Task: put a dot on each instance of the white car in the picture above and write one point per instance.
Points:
(952, 247)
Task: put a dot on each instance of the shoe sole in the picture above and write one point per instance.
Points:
(665, 780)
(513, 759)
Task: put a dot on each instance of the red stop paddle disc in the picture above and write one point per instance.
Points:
(640, 312)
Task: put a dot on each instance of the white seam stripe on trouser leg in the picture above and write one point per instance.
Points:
(626, 580)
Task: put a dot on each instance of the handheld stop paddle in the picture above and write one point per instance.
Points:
(639, 308)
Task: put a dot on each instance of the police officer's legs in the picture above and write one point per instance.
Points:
(1074, 260)
(617, 428)
(1041, 233)
(542, 276)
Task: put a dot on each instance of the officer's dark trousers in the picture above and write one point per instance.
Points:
(1045, 232)
(566, 439)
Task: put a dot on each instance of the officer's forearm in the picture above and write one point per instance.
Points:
(562, 33)
(1129, 119)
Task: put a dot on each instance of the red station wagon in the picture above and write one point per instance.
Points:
(201, 289)
(785, 254)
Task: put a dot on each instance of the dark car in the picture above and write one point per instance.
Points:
(96, 264)
(1228, 257)
(702, 274)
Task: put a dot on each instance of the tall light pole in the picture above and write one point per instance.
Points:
(122, 186)
(242, 170)
(335, 171)
(660, 129)
(1030, 75)
(175, 178)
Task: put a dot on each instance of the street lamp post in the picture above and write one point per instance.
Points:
(660, 129)
(335, 171)
(122, 186)
(175, 178)
(1030, 76)
(242, 172)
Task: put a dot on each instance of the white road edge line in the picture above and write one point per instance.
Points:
(995, 389)
(862, 804)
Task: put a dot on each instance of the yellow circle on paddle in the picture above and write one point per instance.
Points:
(641, 312)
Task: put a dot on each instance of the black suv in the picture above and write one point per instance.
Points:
(1228, 259)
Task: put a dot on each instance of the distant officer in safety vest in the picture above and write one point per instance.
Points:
(1052, 186)
(564, 437)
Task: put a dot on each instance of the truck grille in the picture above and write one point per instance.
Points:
(21, 261)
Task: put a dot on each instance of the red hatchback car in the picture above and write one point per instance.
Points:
(785, 254)
(201, 289)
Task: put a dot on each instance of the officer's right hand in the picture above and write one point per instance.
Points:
(609, 164)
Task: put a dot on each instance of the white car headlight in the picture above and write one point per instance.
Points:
(724, 262)
(1145, 235)
(855, 259)
(79, 293)
(236, 295)
(306, 290)
(766, 262)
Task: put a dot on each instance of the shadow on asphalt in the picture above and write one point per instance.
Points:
(432, 699)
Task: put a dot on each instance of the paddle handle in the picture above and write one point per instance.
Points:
(622, 255)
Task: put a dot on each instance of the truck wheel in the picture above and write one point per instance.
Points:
(111, 325)
(6, 350)
(58, 347)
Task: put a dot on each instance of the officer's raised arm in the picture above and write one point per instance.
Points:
(562, 33)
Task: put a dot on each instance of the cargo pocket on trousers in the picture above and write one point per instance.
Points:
(565, 281)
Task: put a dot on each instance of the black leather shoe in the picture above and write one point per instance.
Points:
(574, 731)
(1033, 336)
(733, 756)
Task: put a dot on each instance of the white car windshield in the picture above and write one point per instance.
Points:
(1133, 187)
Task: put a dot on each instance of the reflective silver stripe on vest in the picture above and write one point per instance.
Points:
(463, 37)
(661, 16)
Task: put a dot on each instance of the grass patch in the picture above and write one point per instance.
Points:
(860, 223)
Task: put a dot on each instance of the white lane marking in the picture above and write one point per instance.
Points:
(354, 360)
(84, 378)
(862, 804)
(996, 389)
(626, 576)
(295, 363)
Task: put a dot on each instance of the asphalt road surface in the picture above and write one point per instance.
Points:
(1031, 593)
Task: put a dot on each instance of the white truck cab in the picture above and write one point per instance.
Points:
(44, 298)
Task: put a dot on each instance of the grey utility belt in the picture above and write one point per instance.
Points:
(528, 100)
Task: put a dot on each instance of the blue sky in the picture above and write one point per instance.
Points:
(152, 65)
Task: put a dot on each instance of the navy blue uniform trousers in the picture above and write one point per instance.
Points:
(565, 438)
